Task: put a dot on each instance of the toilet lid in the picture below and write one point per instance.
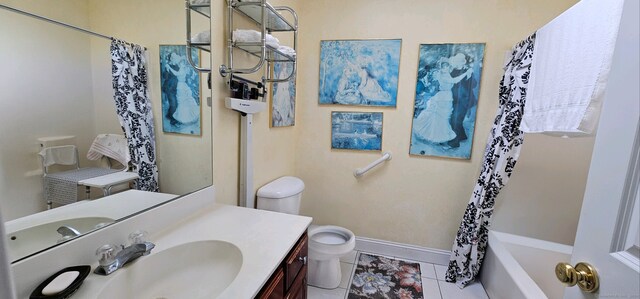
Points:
(332, 238)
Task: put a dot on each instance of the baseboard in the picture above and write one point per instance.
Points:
(403, 251)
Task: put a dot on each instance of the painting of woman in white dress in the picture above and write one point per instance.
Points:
(180, 85)
(283, 96)
(359, 72)
(446, 98)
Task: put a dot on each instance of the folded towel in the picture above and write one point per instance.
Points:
(202, 37)
(252, 36)
(113, 146)
(287, 51)
(200, 2)
(570, 67)
(62, 155)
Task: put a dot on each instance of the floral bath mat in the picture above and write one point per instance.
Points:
(380, 277)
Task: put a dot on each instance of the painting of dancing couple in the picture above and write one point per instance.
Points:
(359, 72)
(180, 85)
(446, 98)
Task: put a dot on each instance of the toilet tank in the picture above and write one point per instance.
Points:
(282, 195)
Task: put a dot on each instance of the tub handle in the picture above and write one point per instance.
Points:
(583, 274)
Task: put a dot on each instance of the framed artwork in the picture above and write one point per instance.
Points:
(446, 98)
(283, 96)
(180, 86)
(359, 72)
(356, 130)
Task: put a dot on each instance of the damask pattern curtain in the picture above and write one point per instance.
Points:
(501, 154)
(133, 106)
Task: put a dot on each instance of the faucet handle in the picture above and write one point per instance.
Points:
(138, 237)
(107, 254)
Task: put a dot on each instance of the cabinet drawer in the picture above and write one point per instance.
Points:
(296, 261)
(274, 289)
(299, 287)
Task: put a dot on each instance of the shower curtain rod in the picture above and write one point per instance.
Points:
(22, 12)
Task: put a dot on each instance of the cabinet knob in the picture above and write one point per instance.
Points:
(303, 259)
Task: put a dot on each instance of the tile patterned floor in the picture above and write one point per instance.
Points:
(433, 283)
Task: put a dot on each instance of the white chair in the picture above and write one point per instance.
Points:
(61, 187)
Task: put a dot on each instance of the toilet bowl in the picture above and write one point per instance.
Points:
(326, 243)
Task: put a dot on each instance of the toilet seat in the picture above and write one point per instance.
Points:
(330, 241)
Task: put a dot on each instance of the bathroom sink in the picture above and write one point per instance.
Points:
(193, 270)
(30, 240)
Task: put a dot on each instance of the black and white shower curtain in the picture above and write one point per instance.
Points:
(133, 106)
(501, 154)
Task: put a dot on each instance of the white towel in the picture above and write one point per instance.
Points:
(62, 155)
(202, 37)
(570, 67)
(113, 146)
(252, 36)
(287, 51)
(200, 2)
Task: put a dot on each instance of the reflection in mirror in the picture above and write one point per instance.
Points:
(56, 89)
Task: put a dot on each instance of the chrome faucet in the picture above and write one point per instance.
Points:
(68, 231)
(112, 259)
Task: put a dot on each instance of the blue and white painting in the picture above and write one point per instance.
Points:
(356, 130)
(283, 96)
(180, 85)
(446, 98)
(359, 72)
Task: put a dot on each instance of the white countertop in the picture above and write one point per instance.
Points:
(263, 237)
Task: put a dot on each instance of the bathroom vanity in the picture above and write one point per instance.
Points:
(203, 250)
(290, 279)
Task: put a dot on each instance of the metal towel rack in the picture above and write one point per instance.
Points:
(360, 171)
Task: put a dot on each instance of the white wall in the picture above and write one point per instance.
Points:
(419, 200)
(46, 77)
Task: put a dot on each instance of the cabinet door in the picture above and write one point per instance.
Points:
(274, 288)
(298, 289)
(296, 260)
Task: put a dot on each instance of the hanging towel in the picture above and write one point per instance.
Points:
(252, 36)
(202, 37)
(113, 146)
(62, 155)
(570, 68)
(200, 2)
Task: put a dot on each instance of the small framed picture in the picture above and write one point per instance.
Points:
(356, 130)
(283, 96)
(180, 91)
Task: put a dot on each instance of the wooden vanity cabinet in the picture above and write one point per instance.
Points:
(289, 281)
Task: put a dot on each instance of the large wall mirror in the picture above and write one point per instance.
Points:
(56, 81)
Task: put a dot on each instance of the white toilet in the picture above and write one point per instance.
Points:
(326, 243)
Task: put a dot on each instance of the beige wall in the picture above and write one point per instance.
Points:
(274, 148)
(39, 60)
(418, 200)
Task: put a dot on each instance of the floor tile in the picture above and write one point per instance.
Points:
(431, 289)
(318, 293)
(472, 291)
(347, 271)
(427, 270)
(440, 271)
(350, 258)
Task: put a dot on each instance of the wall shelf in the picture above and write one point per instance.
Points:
(269, 19)
(273, 19)
(205, 11)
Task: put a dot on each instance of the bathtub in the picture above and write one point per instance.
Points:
(521, 267)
